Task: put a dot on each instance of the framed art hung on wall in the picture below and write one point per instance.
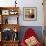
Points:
(5, 12)
(30, 13)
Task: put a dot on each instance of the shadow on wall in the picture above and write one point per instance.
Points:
(37, 29)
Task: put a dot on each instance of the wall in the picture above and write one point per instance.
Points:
(26, 3)
(45, 22)
(38, 5)
(45, 13)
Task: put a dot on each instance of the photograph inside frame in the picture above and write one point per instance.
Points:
(30, 13)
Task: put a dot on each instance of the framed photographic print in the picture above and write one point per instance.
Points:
(30, 13)
(13, 12)
(5, 12)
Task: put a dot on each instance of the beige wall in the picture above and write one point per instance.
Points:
(44, 4)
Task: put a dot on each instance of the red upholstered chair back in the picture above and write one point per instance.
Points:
(29, 33)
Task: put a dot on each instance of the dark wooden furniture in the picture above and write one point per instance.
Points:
(10, 43)
(0, 43)
(4, 13)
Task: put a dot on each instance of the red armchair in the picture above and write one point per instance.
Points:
(30, 34)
